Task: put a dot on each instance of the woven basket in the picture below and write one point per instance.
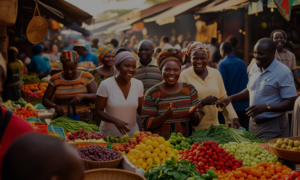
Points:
(37, 28)
(111, 174)
(286, 154)
(101, 164)
(8, 12)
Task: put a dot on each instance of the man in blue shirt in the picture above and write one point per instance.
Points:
(271, 92)
(84, 54)
(235, 78)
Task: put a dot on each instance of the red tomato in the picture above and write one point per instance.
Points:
(201, 164)
(209, 153)
(196, 144)
(295, 174)
(201, 172)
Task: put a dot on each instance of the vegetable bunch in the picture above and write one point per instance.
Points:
(70, 125)
(85, 135)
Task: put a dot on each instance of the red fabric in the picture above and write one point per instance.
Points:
(285, 5)
(15, 128)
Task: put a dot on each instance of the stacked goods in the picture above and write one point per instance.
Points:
(123, 148)
(250, 153)
(21, 102)
(152, 149)
(10, 106)
(98, 153)
(261, 171)
(287, 144)
(140, 135)
(70, 125)
(209, 154)
(179, 142)
(35, 90)
(223, 135)
(27, 112)
(85, 136)
(112, 139)
(173, 169)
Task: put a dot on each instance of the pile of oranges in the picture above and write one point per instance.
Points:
(38, 89)
(262, 171)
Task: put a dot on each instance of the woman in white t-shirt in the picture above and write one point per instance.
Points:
(119, 98)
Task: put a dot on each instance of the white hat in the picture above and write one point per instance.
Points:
(79, 42)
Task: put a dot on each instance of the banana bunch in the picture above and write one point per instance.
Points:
(112, 139)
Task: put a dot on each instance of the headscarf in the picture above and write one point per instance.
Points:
(169, 55)
(195, 46)
(122, 56)
(69, 55)
(104, 50)
(37, 49)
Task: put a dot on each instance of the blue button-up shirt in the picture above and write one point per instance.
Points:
(271, 86)
(235, 78)
(89, 57)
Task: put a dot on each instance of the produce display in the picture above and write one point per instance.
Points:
(222, 135)
(10, 106)
(179, 142)
(27, 112)
(85, 136)
(250, 153)
(112, 139)
(209, 154)
(70, 125)
(98, 153)
(173, 169)
(287, 144)
(123, 148)
(30, 79)
(35, 90)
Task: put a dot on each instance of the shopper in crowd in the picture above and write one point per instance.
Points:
(179, 42)
(157, 51)
(234, 41)
(165, 43)
(71, 86)
(213, 48)
(271, 92)
(234, 74)
(166, 106)
(115, 44)
(54, 54)
(12, 126)
(46, 53)
(14, 80)
(80, 46)
(37, 156)
(95, 43)
(209, 85)
(187, 61)
(119, 98)
(286, 57)
(38, 64)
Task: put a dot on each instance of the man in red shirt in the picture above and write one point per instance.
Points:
(11, 125)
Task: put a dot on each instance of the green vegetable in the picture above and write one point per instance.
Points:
(190, 178)
(211, 174)
(172, 146)
(177, 147)
(188, 140)
(204, 176)
(179, 135)
(178, 139)
(182, 144)
(173, 141)
(30, 79)
(70, 125)
(183, 139)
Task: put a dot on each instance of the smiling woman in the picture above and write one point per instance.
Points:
(171, 106)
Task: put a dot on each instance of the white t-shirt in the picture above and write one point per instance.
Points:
(119, 107)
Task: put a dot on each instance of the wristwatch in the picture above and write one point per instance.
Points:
(268, 106)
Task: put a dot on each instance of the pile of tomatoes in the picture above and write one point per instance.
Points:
(24, 112)
(208, 155)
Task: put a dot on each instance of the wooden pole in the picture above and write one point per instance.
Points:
(3, 43)
(247, 38)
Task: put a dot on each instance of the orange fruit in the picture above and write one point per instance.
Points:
(267, 174)
(250, 177)
(259, 172)
(278, 169)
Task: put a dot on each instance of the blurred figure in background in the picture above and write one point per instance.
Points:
(157, 50)
(38, 64)
(95, 43)
(115, 44)
(164, 43)
(186, 60)
(213, 48)
(179, 42)
(42, 157)
(54, 54)
(234, 41)
(84, 55)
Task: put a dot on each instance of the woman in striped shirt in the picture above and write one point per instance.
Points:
(171, 106)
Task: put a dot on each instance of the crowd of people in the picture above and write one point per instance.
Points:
(163, 90)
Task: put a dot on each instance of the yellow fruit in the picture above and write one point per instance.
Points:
(150, 148)
(162, 155)
(175, 151)
(138, 147)
(144, 140)
(170, 153)
(162, 147)
(149, 133)
(161, 140)
(150, 166)
(157, 151)
(168, 149)
(133, 162)
(136, 133)
(148, 142)
(139, 152)
(155, 144)
(142, 156)
(144, 165)
(153, 155)
(143, 147)
(139, 167)
(157, 160)
(150, 137)
(139, 162)
(131, 158)
(149, 161)
(147, 154)
(154, 138)
(167, 144)
(136, 156)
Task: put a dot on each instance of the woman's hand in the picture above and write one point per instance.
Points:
(59, 110)
(169, 113)
(209, 100)
(76, 99)
(121, 125)
(224, 102)
(236, 123)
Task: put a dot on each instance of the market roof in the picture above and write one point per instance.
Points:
(220, 6)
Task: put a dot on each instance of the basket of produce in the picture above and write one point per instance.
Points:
(287, 148)
(97, 156)
(111, 174)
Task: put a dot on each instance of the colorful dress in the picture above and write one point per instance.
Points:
(100, 77)
(67, 89)
(157, 102)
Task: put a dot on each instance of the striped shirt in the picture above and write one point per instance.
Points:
(149, 75)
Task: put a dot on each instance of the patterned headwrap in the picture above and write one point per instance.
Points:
(195, 46)
(169, 55)
(103, 50)
(122, 56)
(69, 55)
